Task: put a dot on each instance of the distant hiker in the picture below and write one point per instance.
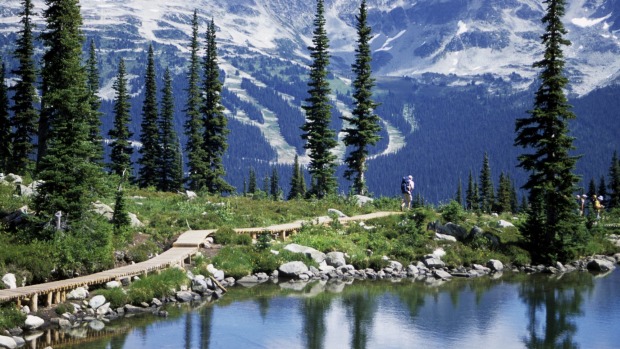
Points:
(582, 203)
(406, 188)
(596, 203)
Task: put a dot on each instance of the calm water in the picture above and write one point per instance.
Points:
(577, 310)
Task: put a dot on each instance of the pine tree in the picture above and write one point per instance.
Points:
(252, 182)
(591, 188)
(5, 123)
(193, 124)
(459, 193)
(602, 188)
(553, 229)
(614, 181)
(320, 139)
(301, 188)
(487, 196)
(476, 197)
(169, 179)
(215, 122)
(514, 200)
(274, 189)
(504, 194)
(470, 203)
(95, 104)
(149, 134)
(25, 97)
(293, 192)
(70, 178)
(364, 127)
(120, 155)
(120, 217)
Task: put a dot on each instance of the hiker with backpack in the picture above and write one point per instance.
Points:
(406, 188)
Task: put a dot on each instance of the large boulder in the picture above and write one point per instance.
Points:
(292, 269)
(78, 294)
(96, 301)
(10, 281)
(602, 265)
(335, 259)
(7, 342)
(433, 262)
(363, 200)
(103, 209)
(495, 265)
(33, 322)
(335, 212)
(315, 254)
(504, 224)
(134, 221)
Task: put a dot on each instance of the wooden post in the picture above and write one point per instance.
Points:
(63, 295)
(50, 300)
(34, 303)
(19, 303)
(57, 297)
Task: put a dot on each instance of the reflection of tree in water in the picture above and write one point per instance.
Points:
(206, 322)
(314, 310)
(361, 307)
(188, 330)
(557, 301)
(263, 306)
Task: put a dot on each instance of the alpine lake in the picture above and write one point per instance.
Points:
(509, 310)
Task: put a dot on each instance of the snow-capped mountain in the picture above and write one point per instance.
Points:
(460, 37)
(452, 76)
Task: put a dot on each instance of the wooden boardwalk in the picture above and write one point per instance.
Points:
(186, 246)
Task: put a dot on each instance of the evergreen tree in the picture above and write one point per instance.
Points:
(553, 228)
(476, 197)
(363, 130)
(275, 184)
(591, 188)
(25, 97)
(252, 182)
(614, 181)
(193, 124)
(504, 194)
(169, 177)
(320, 139)
(120, 217)
(120, 155)
(295, 178)
(470, 202)
(149, 134)
(95, 104)
(514, 201)
(5, 123)
(602, 188)
(266, 185)
(487, 196)
(70, 177)
(215, 122)
(301, 188)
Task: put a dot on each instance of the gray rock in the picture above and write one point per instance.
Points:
(113, 284)
(7, 342)
(103, 209)
(335, 212)
(134, 221)
(10, 281)
(25, 309)
(199, 285)
(434, 262)
(397, 266)
(96, 301)
(600, 265)
(495, 265)
(78, 294)
(504, 224)
(412, 270)
(33, 322)
(335, 259)
(102, 310)
(363, 200)
(248, 279)
(316, 255)
(440, 274)
(132, 309)
(292, 269)
(60, 322)
(184, 296)
(443, 237)
(19, 341)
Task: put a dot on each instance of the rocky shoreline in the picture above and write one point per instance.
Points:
(94, 312)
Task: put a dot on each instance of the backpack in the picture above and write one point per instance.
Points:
(404, 185)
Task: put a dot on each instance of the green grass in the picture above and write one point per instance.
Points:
(11, 317)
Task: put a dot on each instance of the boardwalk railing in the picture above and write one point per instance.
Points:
(186, 246)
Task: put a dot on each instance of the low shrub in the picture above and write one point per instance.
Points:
(157, 286)
(117, 297)
(64, 308)
(11, 317)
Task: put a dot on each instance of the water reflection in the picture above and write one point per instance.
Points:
(513, 311)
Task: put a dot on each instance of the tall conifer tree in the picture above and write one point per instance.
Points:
(170, 178)
(25, 97)
(95, 103)
(553, 229)
(193, 124)
(252, 181)
(470, 203)
(70, 177)
(149, 133)
(274, 189)
(487, 195)
(364, 124)
(120, 156)
(295, 178)
(320, 139)
(215, 122)
(5, 122)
